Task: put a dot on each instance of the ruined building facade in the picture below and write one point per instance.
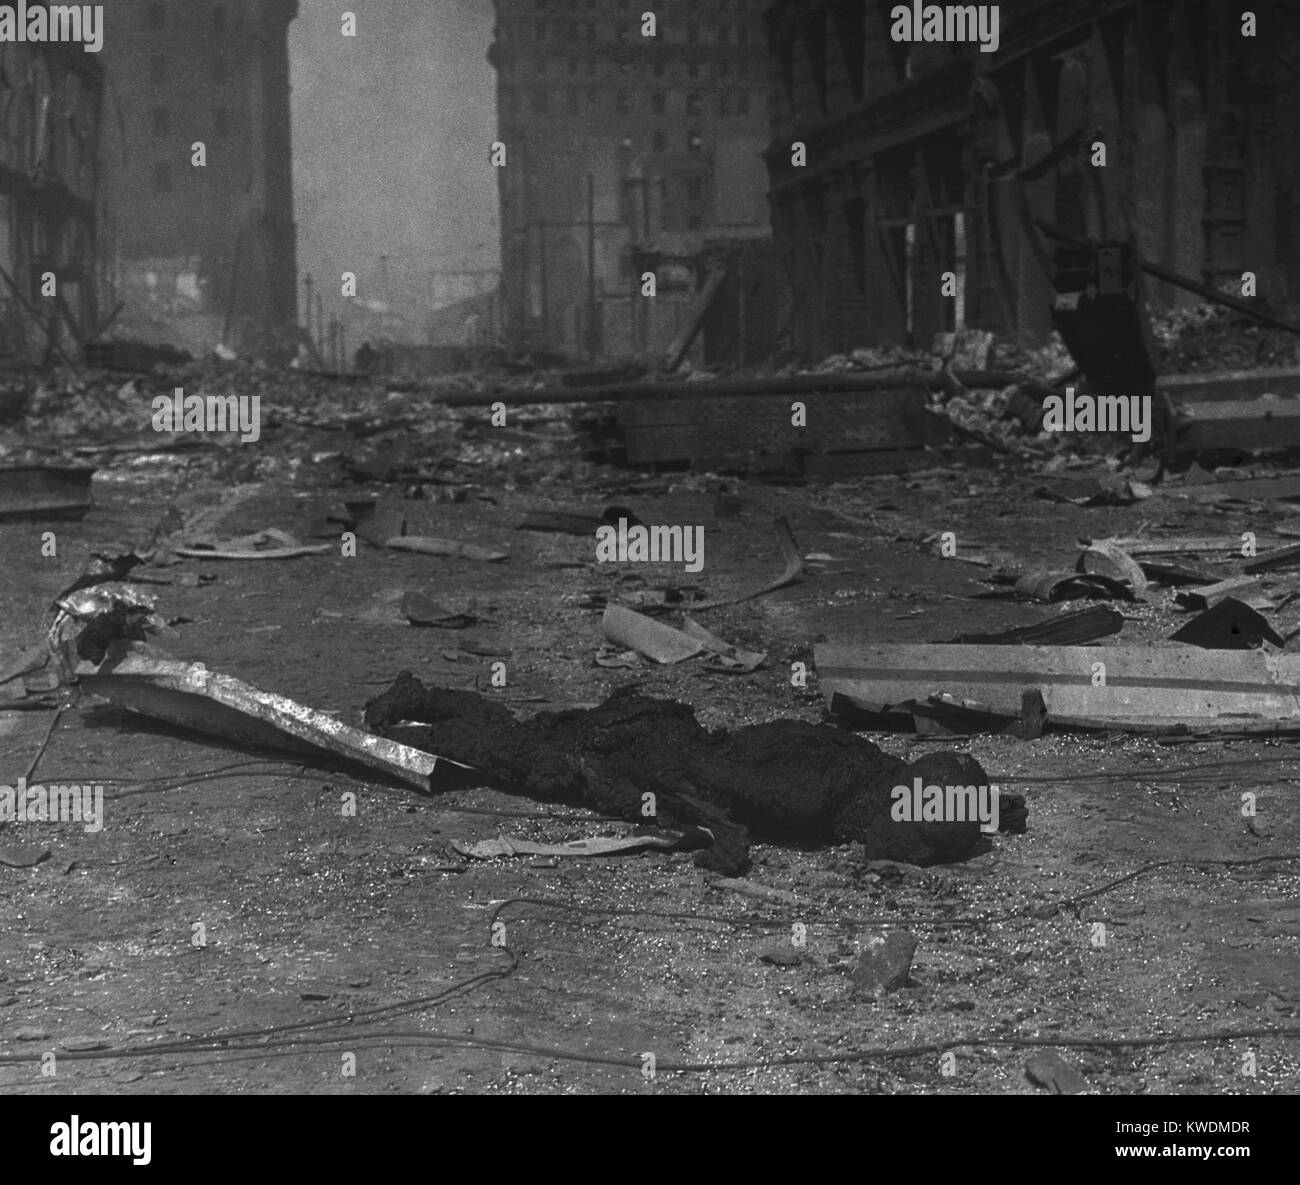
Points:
(49, 199)
(927, 158)
(624, 154)
(201, 254)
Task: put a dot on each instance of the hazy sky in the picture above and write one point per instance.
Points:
(391, 133)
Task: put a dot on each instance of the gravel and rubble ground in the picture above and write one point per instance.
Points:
(1140, 915)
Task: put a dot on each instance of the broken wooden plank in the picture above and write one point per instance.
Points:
(1172, 572)
(190, 695)
(1196, 544)
(1282, 557)
(429, 545)
(1144, 689)
(678, 347)
(1245, 588)
(241, 553)
(1281, 489)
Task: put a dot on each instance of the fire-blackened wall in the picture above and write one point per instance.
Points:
(50, 106)
(932, 158)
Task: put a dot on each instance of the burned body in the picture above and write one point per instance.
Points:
(786, 781)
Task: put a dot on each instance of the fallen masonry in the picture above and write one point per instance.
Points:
(786, 781)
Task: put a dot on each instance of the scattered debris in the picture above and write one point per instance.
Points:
(1228, 625)
(428, 545)
(1282, 557)
(1246, 589)
(748, 888)
(724, 656)
(1070, 629)
(1104, 557)
(885, 962)
(634, 633)
(576, 523)
(1177, 574)
(1108, 490)
(1048, 1069)
(268, 544)
(1050, 587)
(1179, 546)
(89, 620)
(657, 641)
(135, 356)
(107, 563)
(490, 849)
(189, 695)
(421, 609)
(1256, 489)
(793, 570)
(1144, 690)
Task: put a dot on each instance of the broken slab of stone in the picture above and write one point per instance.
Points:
(786, 781)
(885, 962)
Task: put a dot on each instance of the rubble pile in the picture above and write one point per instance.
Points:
(1209, 337)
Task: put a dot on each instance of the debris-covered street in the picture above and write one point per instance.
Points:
(258, 915)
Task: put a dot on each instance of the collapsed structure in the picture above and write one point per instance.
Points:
(1173, 123)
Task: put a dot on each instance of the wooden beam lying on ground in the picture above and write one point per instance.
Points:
(789, 384)
(1146, 689)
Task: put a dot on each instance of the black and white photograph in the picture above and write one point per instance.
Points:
(675, 548)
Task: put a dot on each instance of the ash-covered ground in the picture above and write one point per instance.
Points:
(1138, 921)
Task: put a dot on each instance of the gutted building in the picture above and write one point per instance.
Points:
(625, 153)
(50, 102)
(933, 157)
(206, 253)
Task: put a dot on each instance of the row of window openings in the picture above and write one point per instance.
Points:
(158, 70)
(161, 122)
(156, 16)
(722, 71)
(569, 31)
(736, 103)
